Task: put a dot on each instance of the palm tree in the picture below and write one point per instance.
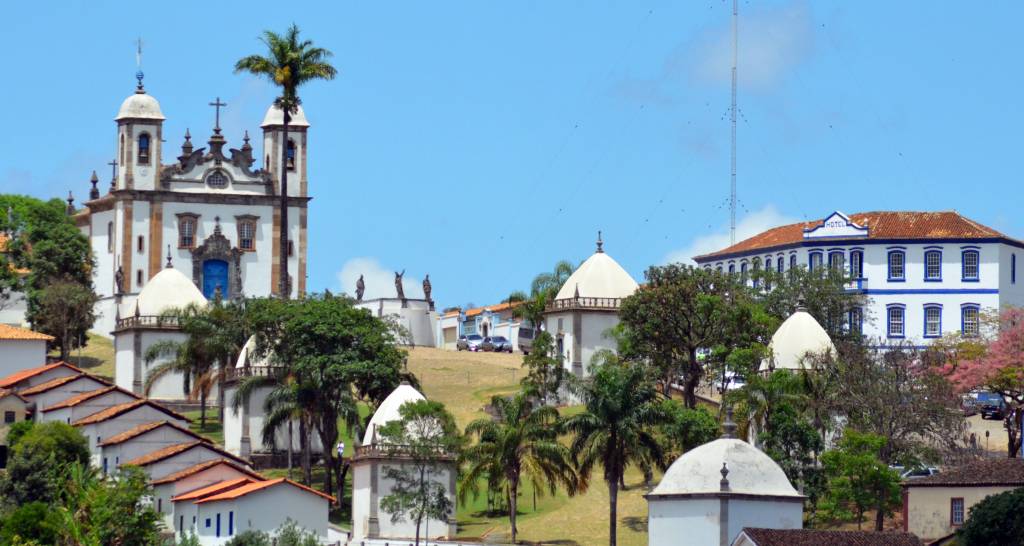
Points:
(290, 64)
(617, 427)
(542, 291)
(520, 442)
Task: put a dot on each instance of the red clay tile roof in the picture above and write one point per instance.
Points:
(4, 393)
(812, 537)
(146, 427)
(492, 308)
(195, 469)
(18, 377)
(982, 472)
(170, 451)
(880, 224)
(54, 383)
(114, 411)
(213, 489)
(86, 396)
(13, 333)
(256, 486)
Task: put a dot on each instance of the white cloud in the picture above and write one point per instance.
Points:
(379, 280)
(748, 226)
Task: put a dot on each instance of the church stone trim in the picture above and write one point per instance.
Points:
(156, 237)
(127, 220)
(217, 247)
(164, 196)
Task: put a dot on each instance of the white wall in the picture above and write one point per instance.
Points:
(84, 409)
(48, 375)
(78, 386)
(163, 493)
(361, 485)
(265, 510)
(181, 461)
(168, 387)
(142, 444)
(233, 427)
(695, 521)
(18, 355)
(928, 508)
(128, 420)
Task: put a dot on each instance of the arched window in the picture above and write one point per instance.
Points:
(933, 265)
(792, 262)
(718, 269)
(857, 264)
(246, 232)
(897, 265)
(970, 265)
(836, 261)
(743, 272)
(757, 271)
(290, 161)
(141, 244)
(856, 320)
(187, 224)
(138, 278)
(895, 323)
(121, 151)
(732, 269)
(780, 264)
(932, 320)
(969, 320)
(144, 149)
(110, 237)
(814, 261)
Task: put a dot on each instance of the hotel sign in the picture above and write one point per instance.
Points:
(836, 224)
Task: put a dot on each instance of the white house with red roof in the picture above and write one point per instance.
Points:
(83, 405)
(28, 378)
(61, 388)
(143, 440)
(117, 419)
(193, 478)
(925, 274)
(21, 348)
(178, 457)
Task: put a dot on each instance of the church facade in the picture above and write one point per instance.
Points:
(213, 212)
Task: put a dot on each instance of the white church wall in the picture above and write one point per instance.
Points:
(693, 522)
(140, 260)
(1011, 276)
(764, 514)
(145, 175)
(233, 427)
(432, 528)
(594, 337)
(103, 251)
(360, 500)
(124, 360)
(170, 386)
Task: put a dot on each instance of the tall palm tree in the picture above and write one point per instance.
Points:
(519, 443)
(542, 291)
(290, 63)
(617, 427)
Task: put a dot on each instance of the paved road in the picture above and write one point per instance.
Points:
(997, 434)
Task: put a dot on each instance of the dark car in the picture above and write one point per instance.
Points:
(498, 344)
(991, 406)
(469, 343)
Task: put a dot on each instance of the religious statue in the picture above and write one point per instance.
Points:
(119, 281)
(426, 287)
(360, 288)
(398, 284)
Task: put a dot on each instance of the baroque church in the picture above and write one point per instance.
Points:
(212, 213)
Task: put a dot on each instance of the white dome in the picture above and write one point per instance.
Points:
(598, 277)
(140, 106)
(275, 118)
(247, 356)
(798, 335)
(167, 290)
(388, 410)
(751, 472)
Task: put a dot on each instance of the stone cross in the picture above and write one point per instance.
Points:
(217, 104)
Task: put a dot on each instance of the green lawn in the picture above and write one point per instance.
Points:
(97, 357)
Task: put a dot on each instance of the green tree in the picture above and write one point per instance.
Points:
(64, 309)
(617, 426)
(290, 63)
(32, 521)
(519, 443)
(425, 438)
(545, 374)
(682, 311)
(290, 534)
(17, 431)
(821, 292)
(251, 538)
(94, 510)
(543, 289)
(791, 440)
(685, 428)
(858, 480)
(998, 520)
(38, 461)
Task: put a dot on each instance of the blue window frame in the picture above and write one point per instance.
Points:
(757, 269)
(1013, 269)
(814, 260)
(732, 269)
(895, 320)
(856, 320)
(970, 261)
(932, 320)
(743, 272)
(181, 523)
(933, 265)
(718, 269)
(792, 261)
(208, 523)
(231, 523)
(837, 260)
(857, 264)
(897, 265)
(218, 523)
(780, 264)
(970, 319)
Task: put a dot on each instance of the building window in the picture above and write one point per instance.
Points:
(121, 147)
(970, 265)
(956, 511)
(141, 244)
(897, 265)
(110, 237)
(160, 505)
(144, 149)
(217, 179)
(138, 278)
(743, 272)
(187, 230)
(895, 322)
(857, 264)
(757, 271)
(836, 261)
(969, 320)
(291, 248)
(856, 320)
(932, 321)
(933, 265)
(291, 155)
(718, 269)
(1013, 269)
(780, 264)
(246, 232)
(9, 417)
(792, 263)
(814, 262)
(732, 269)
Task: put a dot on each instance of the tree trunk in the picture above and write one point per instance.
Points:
(613, 501)
(291, 442)
(513, 494)
(418, 522)
(307, 473)
(342, 472)
(879, 518)
(283, 242)
(202, 411)
(692, 380)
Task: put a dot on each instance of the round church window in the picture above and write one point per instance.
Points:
(217, 179)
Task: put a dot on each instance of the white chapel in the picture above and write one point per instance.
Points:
(213, 209)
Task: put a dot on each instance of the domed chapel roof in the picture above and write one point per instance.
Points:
(798, 335)
(167, 290)
(599, 276)
(247, 356)
(275, 117)
(750, 471)
(388, 410)
(140, 106)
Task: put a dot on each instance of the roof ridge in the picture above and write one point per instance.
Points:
(81, 397)
(199, 467)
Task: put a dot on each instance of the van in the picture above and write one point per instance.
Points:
(525, 338)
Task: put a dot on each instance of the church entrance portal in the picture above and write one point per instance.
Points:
(215, 275)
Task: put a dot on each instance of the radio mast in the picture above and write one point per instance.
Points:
(732, 119)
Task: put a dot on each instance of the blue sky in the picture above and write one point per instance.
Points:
(481, 142)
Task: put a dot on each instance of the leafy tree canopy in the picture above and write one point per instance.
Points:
(998, 520)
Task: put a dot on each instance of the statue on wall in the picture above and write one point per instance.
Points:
(119, 281)
(426, 287)
(398, 284)
(360, 288)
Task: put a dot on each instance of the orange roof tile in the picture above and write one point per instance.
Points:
(84, 397)
(880, 224)
(493, 308)
(54, 383)
(18, 377)
(195, 469)
(4, 393)
(146, 427)
(13, 333)
(170, 451)
(213, 489)
(119, 409)
(257, 486)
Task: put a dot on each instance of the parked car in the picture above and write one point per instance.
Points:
(526, 336)
(991, 405)
(498, 344)
(469, 343)
(732, 382)
(919, 472)
(969, 405)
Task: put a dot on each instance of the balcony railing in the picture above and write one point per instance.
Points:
(391, 450)
(584, 303)
(232, 374)
(855, 285)
(148, 321)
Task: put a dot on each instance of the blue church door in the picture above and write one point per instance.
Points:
(215, 275)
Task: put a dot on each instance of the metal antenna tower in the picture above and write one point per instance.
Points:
(732, 119)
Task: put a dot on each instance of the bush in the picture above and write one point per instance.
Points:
(38, 461)
(250, 538)
(33, 521)
(998, 520)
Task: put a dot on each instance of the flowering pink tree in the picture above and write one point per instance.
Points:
(995, 364)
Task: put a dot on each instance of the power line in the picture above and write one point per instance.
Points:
(732, 116)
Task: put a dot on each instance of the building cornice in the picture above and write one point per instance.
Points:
(164, 196)
(752, 253)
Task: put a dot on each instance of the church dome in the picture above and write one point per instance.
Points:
(598, 277)
(275, 118)
(140, 106)
(388, 410)
(247, 356)
(167, 290)
(798, 335)
(699, 470)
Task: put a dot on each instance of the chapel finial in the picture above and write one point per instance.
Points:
(729, 426)
(71, 204)
(169, 264)
(216, 225)
(138, 64)
(600, 243)
(801, 305)
(94, 192)
(724, 484)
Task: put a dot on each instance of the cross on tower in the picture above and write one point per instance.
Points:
(113, 169)
(217, 104)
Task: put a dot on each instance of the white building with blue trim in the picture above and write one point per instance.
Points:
(925, 274)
